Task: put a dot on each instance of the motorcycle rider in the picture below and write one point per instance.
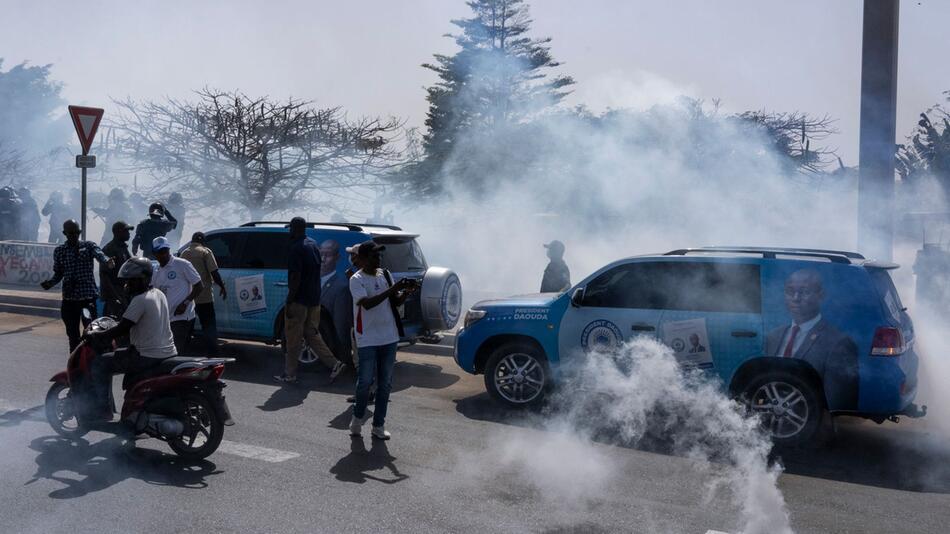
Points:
(145, 322)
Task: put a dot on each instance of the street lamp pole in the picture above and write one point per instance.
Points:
(878, 129)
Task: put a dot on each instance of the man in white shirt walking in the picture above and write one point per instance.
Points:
(180, 282)
(378, 329)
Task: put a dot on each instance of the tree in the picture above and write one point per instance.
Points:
(495, 81)
(928, 153)
(263, 155)
(791, 136)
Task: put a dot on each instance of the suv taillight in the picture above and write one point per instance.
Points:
(888, 341)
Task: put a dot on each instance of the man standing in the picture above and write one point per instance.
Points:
(557, 277)
(118, 251)
(375, 299)
(302, 309)
(57, 211)
(72, 263)
(181, 284)
(117, 210)
(30, 215)
(202, 259)
(336, 316)
(176, 204)
(160, 221)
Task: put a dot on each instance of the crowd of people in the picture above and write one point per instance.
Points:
(21, 216)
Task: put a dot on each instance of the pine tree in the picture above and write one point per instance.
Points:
(495, 81)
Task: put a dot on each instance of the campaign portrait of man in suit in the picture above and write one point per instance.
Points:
(337, 316)
(811, 337)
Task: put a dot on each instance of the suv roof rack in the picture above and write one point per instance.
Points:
(355, 227)
(835, 256)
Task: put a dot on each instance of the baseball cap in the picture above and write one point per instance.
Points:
(160, 243)
(119, 225)
(365, 248)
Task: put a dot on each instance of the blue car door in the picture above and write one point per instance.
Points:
(260, 283)
(713, 313)
(618, 305)
(226, 247)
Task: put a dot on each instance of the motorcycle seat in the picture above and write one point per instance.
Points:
(145, 368)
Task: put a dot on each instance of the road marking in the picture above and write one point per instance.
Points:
(716, 532)
(256, 453)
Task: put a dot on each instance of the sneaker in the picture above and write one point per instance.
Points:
(356, 425)
(381, 433)
(284, 378)
(338, 368)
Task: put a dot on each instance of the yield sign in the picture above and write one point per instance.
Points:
(86, 121)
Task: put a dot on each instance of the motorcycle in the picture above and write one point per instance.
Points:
(177, 400)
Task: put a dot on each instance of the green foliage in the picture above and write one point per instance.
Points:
(30, 98)
(928, 153)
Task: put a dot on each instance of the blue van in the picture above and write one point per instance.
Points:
(252, 261)
(797, 334)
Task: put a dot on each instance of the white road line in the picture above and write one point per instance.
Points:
(716, 532)
(256, 453)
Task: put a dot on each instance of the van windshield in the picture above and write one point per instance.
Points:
(403, 256)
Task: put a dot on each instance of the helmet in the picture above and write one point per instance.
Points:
(7, 192)
(117, 194)
(136, 268)
(174, 198)
(156, 208)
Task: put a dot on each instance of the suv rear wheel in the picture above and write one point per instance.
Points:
(788, 406)
(517, 375)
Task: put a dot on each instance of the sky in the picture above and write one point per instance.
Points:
(365, 55)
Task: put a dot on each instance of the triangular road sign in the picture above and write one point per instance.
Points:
(86, 121)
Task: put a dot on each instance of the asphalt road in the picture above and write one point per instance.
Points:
(456, 463)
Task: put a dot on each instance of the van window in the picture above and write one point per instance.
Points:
(885, 288)
(225, 247)
(686, 286)
(403, 257)
(266, 250)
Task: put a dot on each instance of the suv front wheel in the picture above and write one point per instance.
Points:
(788, 406)
(517, 375)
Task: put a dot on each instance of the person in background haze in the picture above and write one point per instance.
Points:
(72, 263)
(557, 277)
(176, 205)
(58, 212)
(203, 260)
(117, 210)
(113, 294)
(302, 308)
(181, 284)
(10, 213)
(160, 221)
(29, 215)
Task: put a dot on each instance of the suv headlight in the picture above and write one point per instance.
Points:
(473, 316)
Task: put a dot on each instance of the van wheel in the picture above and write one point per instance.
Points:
(517, 375)
(788, 406)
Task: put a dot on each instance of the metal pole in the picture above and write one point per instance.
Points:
(83, 222)
(878, 129)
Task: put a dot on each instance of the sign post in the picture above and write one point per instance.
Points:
(86, 121)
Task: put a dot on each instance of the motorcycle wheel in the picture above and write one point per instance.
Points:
(203, 429)
(60, 412)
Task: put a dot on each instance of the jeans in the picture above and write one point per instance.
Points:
(303, 323)
(71, 312)
(181, 332)
(209, 326)
(101, 370)
(375, 362)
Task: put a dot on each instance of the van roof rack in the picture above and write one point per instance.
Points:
(355, 227)
(835, 256)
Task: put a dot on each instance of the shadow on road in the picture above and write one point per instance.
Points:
(358, 465)
(15, 417)
(83, 467)
(861, 452)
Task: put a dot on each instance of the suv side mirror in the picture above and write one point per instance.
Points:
(577, 297)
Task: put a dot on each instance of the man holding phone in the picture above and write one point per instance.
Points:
(378, 329)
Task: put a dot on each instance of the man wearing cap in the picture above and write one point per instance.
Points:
(181, 284)
(72, 263)
(557, 277)
(113, 295)
(160, 221)
(203, 260)
(302, 309)
(378, 329)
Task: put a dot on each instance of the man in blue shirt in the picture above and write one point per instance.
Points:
(73, 263)
(302, 309)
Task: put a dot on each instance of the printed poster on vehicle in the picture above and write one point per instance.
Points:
(689, 341)
(250, 292)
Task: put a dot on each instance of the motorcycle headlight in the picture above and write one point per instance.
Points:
(473, 316)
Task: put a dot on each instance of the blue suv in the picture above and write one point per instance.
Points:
(252, 260)
(797, 334)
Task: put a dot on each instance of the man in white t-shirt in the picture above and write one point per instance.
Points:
(145, 323)
(377, 328)
(180, 282)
